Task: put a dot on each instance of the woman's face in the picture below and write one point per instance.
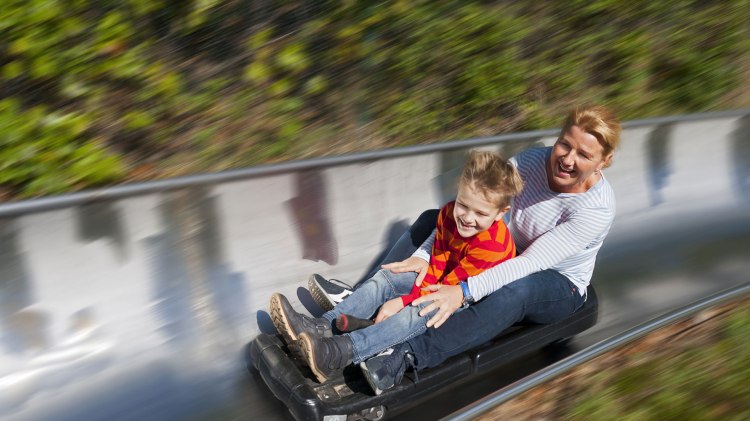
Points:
(576, 161)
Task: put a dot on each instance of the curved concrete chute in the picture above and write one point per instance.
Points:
(137, 301)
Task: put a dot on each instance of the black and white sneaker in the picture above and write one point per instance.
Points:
(327, 292)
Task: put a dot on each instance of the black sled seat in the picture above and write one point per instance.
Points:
(349, 397)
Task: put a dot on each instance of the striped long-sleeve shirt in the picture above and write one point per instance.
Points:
(560, 231)
(454, 259)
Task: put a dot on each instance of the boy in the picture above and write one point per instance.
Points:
(471, 237)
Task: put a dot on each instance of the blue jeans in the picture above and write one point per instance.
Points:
(366, 300)
(542, 297)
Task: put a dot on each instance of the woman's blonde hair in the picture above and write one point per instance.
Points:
(493, 176)
(598, 121)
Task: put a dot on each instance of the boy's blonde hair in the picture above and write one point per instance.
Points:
(493, 176)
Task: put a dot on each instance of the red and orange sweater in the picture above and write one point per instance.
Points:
(455, 259)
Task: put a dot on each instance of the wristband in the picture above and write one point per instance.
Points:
(468, 299)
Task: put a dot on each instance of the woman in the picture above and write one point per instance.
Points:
(559, 222)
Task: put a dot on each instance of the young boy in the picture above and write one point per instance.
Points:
(470, 238)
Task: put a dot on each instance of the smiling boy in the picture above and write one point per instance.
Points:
(470, 238)
(471, 235)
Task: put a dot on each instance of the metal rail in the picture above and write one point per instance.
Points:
(489, 402)
(136, 189)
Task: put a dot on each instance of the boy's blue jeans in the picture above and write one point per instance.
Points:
(365, 301)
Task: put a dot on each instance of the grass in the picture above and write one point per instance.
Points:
(697, 369)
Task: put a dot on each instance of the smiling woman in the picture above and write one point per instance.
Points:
(559, 222)
(584, 148)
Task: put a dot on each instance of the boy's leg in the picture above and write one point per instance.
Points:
(291, 324)
(328, 294)
(542, 297)
(365, 300)
(398, 328)
(328, 356)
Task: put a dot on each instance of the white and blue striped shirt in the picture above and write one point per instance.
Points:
(560, 231)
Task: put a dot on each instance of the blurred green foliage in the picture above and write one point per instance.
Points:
(44, 152)
(708, 382)
(154, 88)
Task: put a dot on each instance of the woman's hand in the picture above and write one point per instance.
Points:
(388, 309)
(412, 264)
(446, 299)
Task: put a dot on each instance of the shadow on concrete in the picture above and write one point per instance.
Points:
(740, 139)
(658, 164)
(310, 215)
(99, 220)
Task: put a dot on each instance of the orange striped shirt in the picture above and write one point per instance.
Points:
(455, 259)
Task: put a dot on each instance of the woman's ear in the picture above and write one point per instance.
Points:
(607, 160)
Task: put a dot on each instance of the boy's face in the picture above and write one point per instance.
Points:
(473, 213)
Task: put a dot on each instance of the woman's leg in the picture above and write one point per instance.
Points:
(542, 297)
(409, 241)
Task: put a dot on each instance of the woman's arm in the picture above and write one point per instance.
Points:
(425, 250)
(552, 247)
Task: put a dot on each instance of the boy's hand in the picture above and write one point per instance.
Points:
(446, 299)
(412, 264)
(388, 309)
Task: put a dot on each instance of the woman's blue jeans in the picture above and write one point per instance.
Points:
(542, 297)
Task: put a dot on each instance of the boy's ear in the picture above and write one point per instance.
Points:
(502, 213)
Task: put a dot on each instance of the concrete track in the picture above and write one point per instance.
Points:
(136, 302)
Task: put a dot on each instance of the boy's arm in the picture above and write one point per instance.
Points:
(436, 259)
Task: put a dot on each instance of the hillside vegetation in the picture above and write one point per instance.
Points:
(697, 369)
(102, 92)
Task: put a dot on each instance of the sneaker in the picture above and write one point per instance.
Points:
(327, 292)
(386, 369)
(326, 357)
(291, 324)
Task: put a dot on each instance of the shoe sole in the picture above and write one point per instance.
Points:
(323, 298)
(318, 295)
(305, 344)
(281, 322)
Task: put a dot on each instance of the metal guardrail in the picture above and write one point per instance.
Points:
(129, 190)
(491, 401)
